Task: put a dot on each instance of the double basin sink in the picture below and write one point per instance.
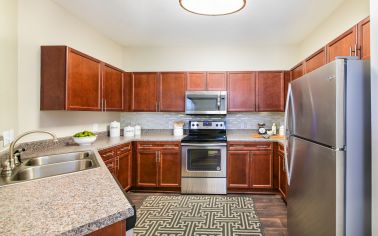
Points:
(51, 165)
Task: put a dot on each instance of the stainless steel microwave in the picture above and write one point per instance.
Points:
(206, 102)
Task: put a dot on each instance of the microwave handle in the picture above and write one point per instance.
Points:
(219, 102)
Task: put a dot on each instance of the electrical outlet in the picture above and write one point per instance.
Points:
(11, 135)
(6, 135)
(95, 128)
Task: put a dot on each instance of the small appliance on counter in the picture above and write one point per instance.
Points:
(137, 130)
(114, 129)
(262, 129)
(129, 131)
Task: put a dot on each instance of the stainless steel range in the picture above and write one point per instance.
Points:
(204, 158)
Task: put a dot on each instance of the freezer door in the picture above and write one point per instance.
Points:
(316, 193)
(316, 106)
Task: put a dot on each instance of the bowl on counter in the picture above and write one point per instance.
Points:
(85, 141)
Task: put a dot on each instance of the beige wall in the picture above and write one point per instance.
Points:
(43, 22)
(230, 58)
(8, 65)
(343, 18)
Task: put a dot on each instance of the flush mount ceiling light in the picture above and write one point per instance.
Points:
(213, 7)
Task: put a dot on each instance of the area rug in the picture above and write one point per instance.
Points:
(187, 215)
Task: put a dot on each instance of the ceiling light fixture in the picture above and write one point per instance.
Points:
(213, 7)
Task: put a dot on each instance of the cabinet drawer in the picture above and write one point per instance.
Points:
(107, 154)
(122, 149)
(159, 145)
(112, 165)
(250, 146)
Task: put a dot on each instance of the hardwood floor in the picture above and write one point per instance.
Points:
(271, 210)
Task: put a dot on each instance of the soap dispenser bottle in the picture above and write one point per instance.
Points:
(274, 129)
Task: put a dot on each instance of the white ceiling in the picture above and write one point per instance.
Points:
(164, 23)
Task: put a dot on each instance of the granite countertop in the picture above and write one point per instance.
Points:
(249, 136)
(76, 203)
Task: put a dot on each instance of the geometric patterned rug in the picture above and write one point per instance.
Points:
(187, 215)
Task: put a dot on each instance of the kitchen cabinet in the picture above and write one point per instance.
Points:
(241, 91)
(158, 164)
(282, 176)
(112, 87)
(316, 60)
(119, 162)
(128, 91)
(211, 81)
(250, 166)
(270, 91)
(172, 91)
(116, 229)
(364, 39)
(196, 81)
(71, 80)
(144, 87)
(297, 71)
(344, 45)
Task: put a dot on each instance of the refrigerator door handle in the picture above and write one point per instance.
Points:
(289, 116)
(289, 166)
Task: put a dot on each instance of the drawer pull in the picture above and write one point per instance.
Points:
(262, 146)
(238, 146)
(124, 149)
(107, 154)
(146, 145)
(169, 145)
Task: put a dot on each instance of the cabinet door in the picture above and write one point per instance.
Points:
(238, 169)
(217, 81)
(241, 91)
(270, 91)
(124, 170)
(297, 71)
(344, 45)
(196, 81)
(127, 91)
(84, 82)
(147, 168)
(283, 186)
(112, 87)
(172, 91)
(169, 168)
(364, 39)
(262, 169)
(144, 91)
(316, 60)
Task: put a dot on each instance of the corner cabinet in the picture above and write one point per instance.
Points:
(158, 165)
(71, 80)
(250, 166)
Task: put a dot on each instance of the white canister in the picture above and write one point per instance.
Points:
(137, 130)
(282, 130)
(129, 131)
(178, 131)
(115, 129)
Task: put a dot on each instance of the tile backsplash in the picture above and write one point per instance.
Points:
(165, 120)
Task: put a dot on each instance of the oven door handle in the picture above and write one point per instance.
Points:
(204, 144)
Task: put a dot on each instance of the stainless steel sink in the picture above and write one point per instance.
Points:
(52, 165)
(52, 159)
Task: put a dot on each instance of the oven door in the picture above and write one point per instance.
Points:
(204, 160)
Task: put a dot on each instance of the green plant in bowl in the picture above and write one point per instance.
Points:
(84, 134)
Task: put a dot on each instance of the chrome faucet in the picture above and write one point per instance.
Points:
(9, 164)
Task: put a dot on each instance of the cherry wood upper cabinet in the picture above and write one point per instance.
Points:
(364, 39)
(144, 87)
(71, 80)
(172, 91)
(297, 71)
(316, 60)
(241, 91)
(270, 91)
(113, 88)
(344, 45)
(196, 81)
(128, 91)
(217, 81)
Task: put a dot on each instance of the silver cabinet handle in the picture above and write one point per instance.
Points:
(204, 144)
(350, 51)
(355, 49)
(105, 105)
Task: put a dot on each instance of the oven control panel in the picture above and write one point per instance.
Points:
(207, 125)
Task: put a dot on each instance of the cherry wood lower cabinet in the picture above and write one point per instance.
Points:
(116, 229)
(282, 175)
(158, 165)
(250, 166)
(118, 159)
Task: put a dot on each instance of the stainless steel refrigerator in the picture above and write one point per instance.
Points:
(328, 151)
